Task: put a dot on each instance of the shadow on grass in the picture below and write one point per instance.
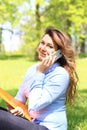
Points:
(83, 91)
(12, 92)
(5, 57)
(77, 116)
(17, 57)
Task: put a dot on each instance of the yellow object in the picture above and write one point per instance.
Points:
(13, 102)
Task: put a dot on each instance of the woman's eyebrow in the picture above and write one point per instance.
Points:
(46, 42)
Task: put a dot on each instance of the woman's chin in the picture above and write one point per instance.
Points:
(41, 58)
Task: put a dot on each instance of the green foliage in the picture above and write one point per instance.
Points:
(10, 11)
(69, 16)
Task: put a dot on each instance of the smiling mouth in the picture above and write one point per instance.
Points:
(42, 54)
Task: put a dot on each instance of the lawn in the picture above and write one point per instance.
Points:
(12, 72)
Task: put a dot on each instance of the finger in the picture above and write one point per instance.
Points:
(53, 59)
(19, 111)
(13, 111)
(46, 60)
(49, 61)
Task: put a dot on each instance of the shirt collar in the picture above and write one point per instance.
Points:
(52, 67)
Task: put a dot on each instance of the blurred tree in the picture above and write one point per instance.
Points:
(69, 16)
(32, 17)
(9, 12)
(0, 38)
(32, 27)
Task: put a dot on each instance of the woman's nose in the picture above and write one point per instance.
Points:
(43, 47)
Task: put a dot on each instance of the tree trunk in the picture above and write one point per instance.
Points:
(82, 49)
(0, 40)
(38, 22)
(38, 26)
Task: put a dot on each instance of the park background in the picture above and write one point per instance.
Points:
(22, 24)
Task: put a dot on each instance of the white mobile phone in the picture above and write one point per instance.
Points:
(57, 54)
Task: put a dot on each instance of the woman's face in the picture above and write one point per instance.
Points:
(46, 47)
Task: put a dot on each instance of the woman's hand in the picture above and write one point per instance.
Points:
(45, 64)
(17, 112)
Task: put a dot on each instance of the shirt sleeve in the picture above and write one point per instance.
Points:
(47, 89)
(23, 91)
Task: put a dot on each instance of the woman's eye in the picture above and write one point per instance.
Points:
(50, 46)
(47, 45)
(42, 43)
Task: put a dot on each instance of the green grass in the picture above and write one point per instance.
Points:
(77, 116)
(12, 72)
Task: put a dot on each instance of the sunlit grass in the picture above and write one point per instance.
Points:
(77, 116)
(12, 72)
(82, 72)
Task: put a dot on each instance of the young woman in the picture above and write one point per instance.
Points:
(48, 85)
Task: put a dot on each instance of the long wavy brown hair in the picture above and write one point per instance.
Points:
(67, 60)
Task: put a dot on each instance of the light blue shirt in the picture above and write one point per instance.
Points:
(47, 95)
